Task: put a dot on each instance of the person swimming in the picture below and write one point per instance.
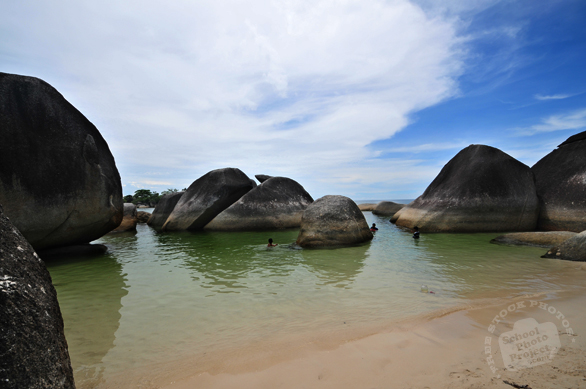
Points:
(271, 243)
(415, 232)
(373, 228)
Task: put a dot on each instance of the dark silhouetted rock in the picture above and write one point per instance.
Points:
(33, 349)
(538, 239)
(480, 189)
(58, 181)
(86, 250)
(387, 208)
(560, 179)
(163, 209)
(143, 217)
(333, 221)
(129, 220)
(573, 249)
(262, 177)
(277, 203)
(367, 207)
(206, 198)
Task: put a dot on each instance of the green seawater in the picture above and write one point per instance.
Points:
(156, 296)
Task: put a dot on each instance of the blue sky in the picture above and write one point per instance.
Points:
(367, 99)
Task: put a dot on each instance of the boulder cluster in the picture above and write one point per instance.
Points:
(483, 189)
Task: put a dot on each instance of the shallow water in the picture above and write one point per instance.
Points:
(156, 296)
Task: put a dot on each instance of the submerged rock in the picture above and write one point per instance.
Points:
(573, 249)
(560, 179)
(538, 239)
(480, 189)
(333, 221)
(58, 182)
(206, 198)
(387, 208)
(129, 220)
(33, 349)
(163, 209)
(277, 203)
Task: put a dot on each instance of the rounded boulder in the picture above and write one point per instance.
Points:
(333, 221)
(560, 180)
(59, 184)
(481, 189)
(206, 198)
(163, 209)
(277, 203)
(387, 208)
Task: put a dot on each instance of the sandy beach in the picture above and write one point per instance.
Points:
(446, 351)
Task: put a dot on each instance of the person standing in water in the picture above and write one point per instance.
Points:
(271, 243)
(373, 228)
(415, 232)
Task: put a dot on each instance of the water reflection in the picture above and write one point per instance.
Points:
(225, 262)
(90, 293)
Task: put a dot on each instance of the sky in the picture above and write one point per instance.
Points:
(363, 98)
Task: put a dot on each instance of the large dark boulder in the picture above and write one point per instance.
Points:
(163, 209)
(277, 203)
(58, 181)
(33, 349)
(573, 249)
(333, 221)
(130, 219)
(560, 179)
(206, 198)
(387, 208)
(480, 189)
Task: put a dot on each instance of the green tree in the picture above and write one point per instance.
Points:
(128, 199)
(169, 191)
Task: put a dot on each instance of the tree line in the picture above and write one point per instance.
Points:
(148, 197)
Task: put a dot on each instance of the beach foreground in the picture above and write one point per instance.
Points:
(445, 352)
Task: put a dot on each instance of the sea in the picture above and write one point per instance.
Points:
(191, 301)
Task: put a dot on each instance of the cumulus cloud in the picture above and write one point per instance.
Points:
(294, 87)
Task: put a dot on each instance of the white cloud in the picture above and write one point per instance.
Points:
(574, 120)
(429, 147)
(294, 87)
(552, 97)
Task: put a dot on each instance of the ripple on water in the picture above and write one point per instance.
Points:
(156, 294)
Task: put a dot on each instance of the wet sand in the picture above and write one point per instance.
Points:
(446, 351)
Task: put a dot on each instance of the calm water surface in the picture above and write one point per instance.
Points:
(157, 295)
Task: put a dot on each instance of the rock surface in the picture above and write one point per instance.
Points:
(262, 177)
(560, 179)
(58, 183)
(206, 198)
(130, 219)
(481, 189)
(573, 249)
(333, 221)
(163, 209)
(277, 203)
(366, 207)
(538, 239)
(33, 349)
(387, 208)
(143, 217)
